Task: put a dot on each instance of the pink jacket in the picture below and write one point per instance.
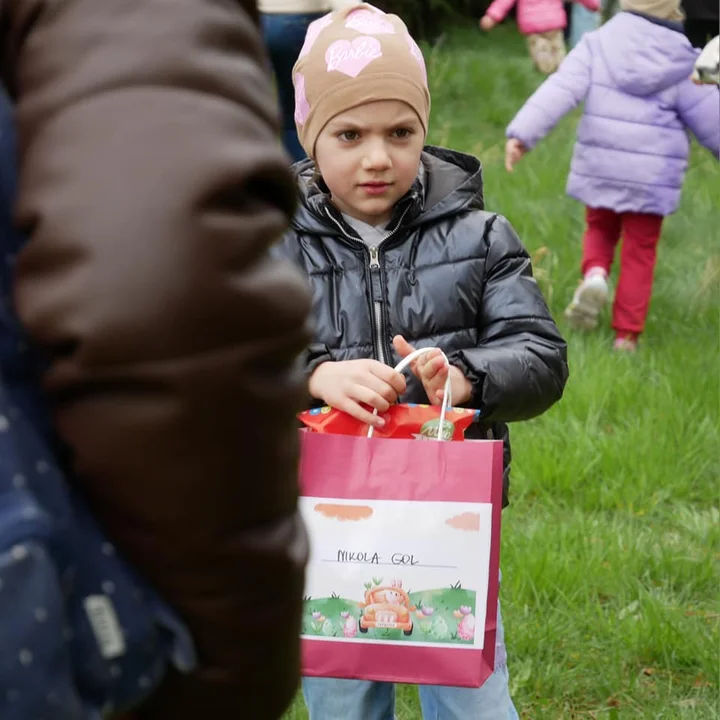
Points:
(536, 16)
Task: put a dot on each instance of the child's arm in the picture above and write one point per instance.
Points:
(557, 96)
(496, 13)
(146, 285)
(699, 108)
(519, 367)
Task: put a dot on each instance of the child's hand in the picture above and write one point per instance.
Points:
(350, 384)
(487, 23)
(431, 369)
(514, 151)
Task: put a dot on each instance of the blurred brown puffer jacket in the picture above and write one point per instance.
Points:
(151, 187)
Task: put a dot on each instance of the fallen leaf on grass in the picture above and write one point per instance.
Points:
(628, 610)
(709, 279)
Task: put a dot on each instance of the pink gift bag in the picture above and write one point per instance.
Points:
(402, 584)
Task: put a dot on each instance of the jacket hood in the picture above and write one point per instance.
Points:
(448, 183)
(645, 55)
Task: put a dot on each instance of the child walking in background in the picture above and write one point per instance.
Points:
(631, 152)
(399, 253)
(543, 21)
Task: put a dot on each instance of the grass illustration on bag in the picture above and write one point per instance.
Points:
(388, 611)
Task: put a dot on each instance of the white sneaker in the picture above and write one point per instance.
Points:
(588, 301)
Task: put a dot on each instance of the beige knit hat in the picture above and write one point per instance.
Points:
(662, 9)
(352, 57)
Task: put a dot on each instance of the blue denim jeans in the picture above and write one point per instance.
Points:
(329, 699)
(582, 21)
(284, 37)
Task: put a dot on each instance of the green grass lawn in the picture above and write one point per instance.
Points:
(612, 540)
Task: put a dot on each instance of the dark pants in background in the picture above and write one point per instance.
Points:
(284, 37)
(568, 27)
(700, 31)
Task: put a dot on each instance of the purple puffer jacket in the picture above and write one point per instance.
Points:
(632, 146)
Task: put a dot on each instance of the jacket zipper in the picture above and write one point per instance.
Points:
(374, 254)
(377, 306)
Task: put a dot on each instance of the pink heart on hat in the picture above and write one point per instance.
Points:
(302, 106)
(351, 58)
(369, 23)
(417, 54)
(313, 33)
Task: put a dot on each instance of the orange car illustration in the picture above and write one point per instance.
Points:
(387, 607)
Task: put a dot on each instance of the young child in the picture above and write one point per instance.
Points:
(400, 254)
(543, 21)
(631, 152)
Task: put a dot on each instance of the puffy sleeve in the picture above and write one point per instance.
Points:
(699, 108)
(563, 91)
(518, 368)
(152, 185)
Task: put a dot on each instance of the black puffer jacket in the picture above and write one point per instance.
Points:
(448, 275)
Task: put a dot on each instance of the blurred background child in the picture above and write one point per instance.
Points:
(631, 152)
(543, 21)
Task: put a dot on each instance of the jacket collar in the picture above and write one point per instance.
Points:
(670, 24)
(448, 182)
(406, 209)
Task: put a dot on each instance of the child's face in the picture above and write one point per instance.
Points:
(369, 157)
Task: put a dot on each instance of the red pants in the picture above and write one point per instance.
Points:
(640, 233)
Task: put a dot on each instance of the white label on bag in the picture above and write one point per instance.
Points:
(105, 625)
(385, 571)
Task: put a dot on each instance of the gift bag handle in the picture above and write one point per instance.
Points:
(447, 399)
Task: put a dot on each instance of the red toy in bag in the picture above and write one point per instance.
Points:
(421, 422)
(406, 421)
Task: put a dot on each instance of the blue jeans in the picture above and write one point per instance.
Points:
(329, 699)
(284, 37)
(582, 21)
